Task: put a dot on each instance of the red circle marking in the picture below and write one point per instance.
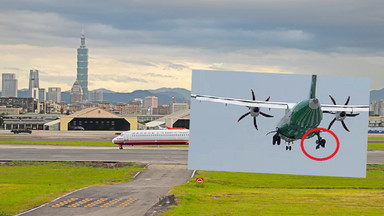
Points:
(315, 158)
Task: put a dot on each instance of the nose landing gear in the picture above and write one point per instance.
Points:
(288, 147)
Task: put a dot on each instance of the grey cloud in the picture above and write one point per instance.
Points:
(136, 62)
(178, 67)
(118, 78)
(159, 75)
(225, 25)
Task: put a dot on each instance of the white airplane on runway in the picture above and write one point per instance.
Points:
(172, 136)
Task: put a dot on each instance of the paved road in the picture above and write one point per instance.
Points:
(375, 141)
(375, 157)
(61, 135)
(146, 155)
(80, 153)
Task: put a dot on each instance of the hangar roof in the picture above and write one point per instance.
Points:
(93, 112)
(182, 114)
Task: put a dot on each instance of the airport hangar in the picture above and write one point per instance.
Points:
(179, 119)
(97, 119)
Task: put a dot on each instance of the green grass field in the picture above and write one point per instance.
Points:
(375, 138)
(24, 185)
(228, 193)
(375, 146)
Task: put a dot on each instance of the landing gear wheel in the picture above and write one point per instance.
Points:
(276, 139)
(322, 143)
(290, 148)
(121, 147)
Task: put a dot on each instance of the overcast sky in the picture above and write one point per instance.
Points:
(148, 44)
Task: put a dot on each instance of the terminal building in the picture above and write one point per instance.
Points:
(30, 121)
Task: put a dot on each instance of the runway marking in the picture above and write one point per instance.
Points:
(94, 202)
(97, 202)
(66, 202)
(79, 203)
(110, 203)
(127, 202)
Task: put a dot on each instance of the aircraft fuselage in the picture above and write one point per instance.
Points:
(304, 116)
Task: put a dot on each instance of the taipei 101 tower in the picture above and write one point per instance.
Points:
(82, 66)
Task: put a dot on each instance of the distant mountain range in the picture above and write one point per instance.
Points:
(164, 95)
(377, 95)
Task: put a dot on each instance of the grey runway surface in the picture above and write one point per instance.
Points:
(80, 153)
(153, 155)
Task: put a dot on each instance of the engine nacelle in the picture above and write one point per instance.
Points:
(255, 111)
(340, 116)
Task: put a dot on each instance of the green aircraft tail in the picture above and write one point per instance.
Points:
(312, 93)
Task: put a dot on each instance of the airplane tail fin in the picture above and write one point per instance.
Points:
(312, 93)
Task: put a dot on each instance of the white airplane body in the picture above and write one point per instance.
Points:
(153, 137)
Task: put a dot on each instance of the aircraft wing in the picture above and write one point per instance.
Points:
(243, 102)
(277, 105)
(346, 108)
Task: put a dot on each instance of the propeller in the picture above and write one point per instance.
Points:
(340, 116)
(255, 111)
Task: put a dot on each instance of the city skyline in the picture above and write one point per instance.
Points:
(154, 44)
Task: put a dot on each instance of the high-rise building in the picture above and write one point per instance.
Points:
(35, 93)
(150, 101)
(9, 85)
(54, 93)
(95, 96)
(33, 81)
(82, 67)
(42, 95)
(76, 93)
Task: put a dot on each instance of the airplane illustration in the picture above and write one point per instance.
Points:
(299, 118)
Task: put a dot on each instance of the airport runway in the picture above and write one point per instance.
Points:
(146, 155)
(61, 135)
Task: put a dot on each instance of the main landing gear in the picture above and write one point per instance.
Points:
(320, 141)
(121, 147)
(276, 139)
